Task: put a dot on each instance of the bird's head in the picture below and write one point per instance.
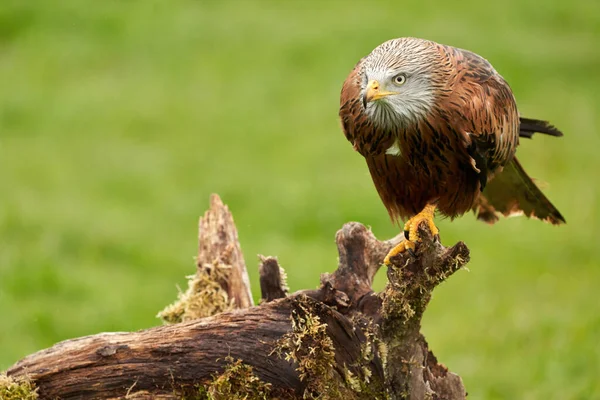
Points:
(400, 81)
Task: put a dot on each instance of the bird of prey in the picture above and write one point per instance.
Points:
(439, 127)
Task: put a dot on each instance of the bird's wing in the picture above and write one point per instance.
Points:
(492, 126)
(365, 137)
(485, 113)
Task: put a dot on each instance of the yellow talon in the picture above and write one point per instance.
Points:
(411, 227)
(399, 248)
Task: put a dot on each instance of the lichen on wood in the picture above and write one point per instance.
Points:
(310, 347)
(238, 382)
(204, 296)
(17, 388)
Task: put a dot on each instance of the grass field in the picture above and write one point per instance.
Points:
(118, 119)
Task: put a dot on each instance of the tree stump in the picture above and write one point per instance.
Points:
(341, 340)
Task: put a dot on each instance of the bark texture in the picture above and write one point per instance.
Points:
(273, 283)
(218, 244)
(341, 340)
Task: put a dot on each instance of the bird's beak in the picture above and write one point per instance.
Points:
(374, 93)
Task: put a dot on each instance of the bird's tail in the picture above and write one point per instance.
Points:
(513, 192)
(530, 126)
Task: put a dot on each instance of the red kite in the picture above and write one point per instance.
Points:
(439, 127)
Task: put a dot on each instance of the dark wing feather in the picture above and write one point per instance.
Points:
(486, 113)
(530, 126)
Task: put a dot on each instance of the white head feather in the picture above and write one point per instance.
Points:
(416, 60)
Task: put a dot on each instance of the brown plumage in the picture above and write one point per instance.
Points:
(439, 126)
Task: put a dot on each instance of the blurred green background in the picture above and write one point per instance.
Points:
(118, 119)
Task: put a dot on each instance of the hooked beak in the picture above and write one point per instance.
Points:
(374, 93)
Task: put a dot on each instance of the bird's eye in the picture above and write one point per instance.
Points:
(399, 79)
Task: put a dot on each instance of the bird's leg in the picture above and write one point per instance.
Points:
(410, 232)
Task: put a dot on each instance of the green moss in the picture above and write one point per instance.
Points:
(373, 350)
(309, 346)
(16, 388)
(204, 297)
(145, 395)
(237, 381)
(409, 286)
(397, 298)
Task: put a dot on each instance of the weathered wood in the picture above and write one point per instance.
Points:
(146, 395)
(412, 371)
(339, 341)
(360, 257)
(164, 359)
(221, 280)
(218, 244)
(273, 283)
(173, 358)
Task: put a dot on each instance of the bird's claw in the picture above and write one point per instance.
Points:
(404, 246)
(411, 233)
